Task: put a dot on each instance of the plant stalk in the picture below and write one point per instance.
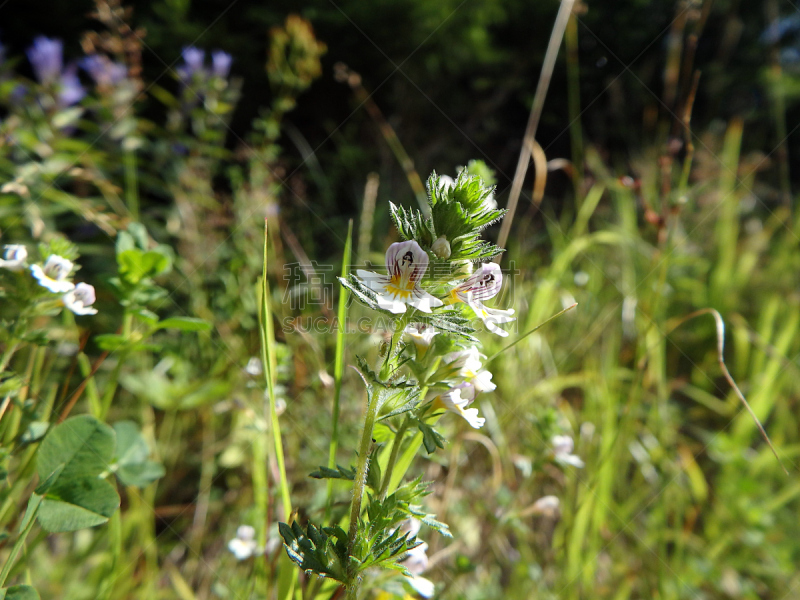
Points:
(396, 444)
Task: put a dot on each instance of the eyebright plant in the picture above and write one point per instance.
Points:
(436, 282)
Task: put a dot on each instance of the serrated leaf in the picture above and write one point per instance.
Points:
(313, 550)
(339, 473)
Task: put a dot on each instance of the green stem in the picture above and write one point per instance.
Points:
(131, 185)
(362, 464)
(398, 442)
(338, 369)
(269, 361)
(359, 484)
(28, 520)
(11, 348)
(108, 397)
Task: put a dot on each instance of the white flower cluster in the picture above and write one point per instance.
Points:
(466, 367)
(407, 262)
(244, 545)
(53, 275)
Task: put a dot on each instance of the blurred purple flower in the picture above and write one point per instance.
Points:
(47, 59)
(781, 28)
(103, 70)
(221, 63)
(70, 91)
(46, 56)
(193, 59)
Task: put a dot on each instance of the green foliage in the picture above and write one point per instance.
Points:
(459, 213)
(19, 592)
(132, 465)
(322, 551)
(72, 458)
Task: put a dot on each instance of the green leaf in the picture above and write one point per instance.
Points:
(131, 446)
(135, 264)
(133, 466)
(35, 431)
(141, 475)
(184, 324)
(315, 550)
(146, 316)
(339, 473)
(78, 503)
(47, 483)
(431, 438)
(69, 461)
(10, 385)
(138, 233)
(84, 445)
(19, 592)
(111, 341)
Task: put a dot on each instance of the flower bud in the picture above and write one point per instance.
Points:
(441, 248)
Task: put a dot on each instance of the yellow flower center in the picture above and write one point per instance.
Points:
(400, 287)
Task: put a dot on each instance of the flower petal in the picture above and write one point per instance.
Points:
(390, 303)
(423, 301)
(407, 262)
(424, 587)
(483, 284)
(374, 281)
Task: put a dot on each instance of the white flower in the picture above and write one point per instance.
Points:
(563, 445)
(457, 399)
(53, 275)
(467, 362)
(482, 382)
(406, 263)
(441, 247)
(416, 561)
(14, 257)
(423, 586)
(547, 506)
(253, 367)
(80, 299)
(244, 544)
(422, 335)
(483, 284)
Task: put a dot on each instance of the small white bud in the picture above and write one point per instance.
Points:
(441, 248)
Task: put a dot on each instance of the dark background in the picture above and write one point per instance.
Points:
(455, 78)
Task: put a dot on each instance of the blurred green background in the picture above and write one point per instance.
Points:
(679, 497)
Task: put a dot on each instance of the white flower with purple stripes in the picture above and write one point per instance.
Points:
(14, 257)
(80, 299)
(406, 263)
(53, 274)
(483, 284)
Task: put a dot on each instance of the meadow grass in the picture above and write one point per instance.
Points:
(679, 497)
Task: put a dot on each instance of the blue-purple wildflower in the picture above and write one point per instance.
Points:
(46, 56)
(103, 70)
(47, 59)
(193, 63)
(70, 90)
(221, 64)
